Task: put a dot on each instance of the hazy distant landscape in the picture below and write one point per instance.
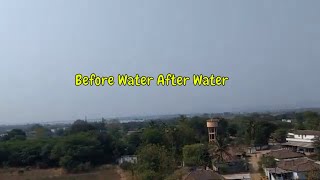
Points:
(159, 90)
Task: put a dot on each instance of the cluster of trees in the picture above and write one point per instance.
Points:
(161, 146)
(78, 149)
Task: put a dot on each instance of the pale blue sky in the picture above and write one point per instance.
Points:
(269, 49)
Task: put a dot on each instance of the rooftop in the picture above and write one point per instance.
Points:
(298, 165)
(298, 144)
(242, 176)
(201, 174)
(284, 154)
(277, 170)
(307, 132)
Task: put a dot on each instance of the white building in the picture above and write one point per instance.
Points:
(286, 120)
(301, 141)
(127, 159)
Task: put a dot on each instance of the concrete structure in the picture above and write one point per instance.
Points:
(242, 176)
(127, 159)
(297, 168)
(212, 125)
(301, 141)
(287, 120)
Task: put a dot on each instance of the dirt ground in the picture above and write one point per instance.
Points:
(103, 173)
(254, 166)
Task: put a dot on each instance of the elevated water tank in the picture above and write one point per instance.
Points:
(212, 123)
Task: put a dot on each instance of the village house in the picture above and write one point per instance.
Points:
(282, 154)
(297, 168)
(201, 174)
(290, 165)
(301, 141)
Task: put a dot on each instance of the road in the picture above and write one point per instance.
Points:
(254, 166)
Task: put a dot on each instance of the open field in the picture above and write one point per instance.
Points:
(103, 173)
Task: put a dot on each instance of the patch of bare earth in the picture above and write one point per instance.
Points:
(102, 173)
(254, 166)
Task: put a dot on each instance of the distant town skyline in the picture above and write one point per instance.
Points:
(269, 50)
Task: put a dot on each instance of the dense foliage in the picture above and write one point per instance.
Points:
(196, 155)
(161, 146)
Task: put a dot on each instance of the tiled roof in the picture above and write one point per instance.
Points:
(299, 144)
(277, 170)
(298, 165)
(201, 174)
(308, 132)
(284, 154)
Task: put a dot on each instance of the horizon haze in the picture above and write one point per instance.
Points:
(270, 50)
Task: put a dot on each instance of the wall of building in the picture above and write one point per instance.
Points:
(300, 138)
(297, 175)
(271, 176)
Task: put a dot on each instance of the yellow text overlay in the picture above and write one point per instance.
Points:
(161, 80)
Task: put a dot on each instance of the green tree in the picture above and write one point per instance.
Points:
(81, 126)
(223, 128)
(250, 132)
(154, 162)
(280, 135)
(41, 132)
(108, 145)
(153, 135)
(316, 145)
(263, 130)
(196, 155)
(233, 130)
(219, 150)
(76, 151)
(186, 132)
(312, 120)
(267, 162)
(15, 134)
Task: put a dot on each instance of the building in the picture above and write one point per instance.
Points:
(286, 120)
(297, 168)
(127, 159)
(201, 174)
(282, 154)
(240, 176)
(301, 141)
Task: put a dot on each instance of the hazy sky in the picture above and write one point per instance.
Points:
(269, 49)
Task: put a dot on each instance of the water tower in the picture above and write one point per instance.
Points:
(212, 125)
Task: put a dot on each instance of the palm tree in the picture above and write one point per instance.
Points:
(251, 131)
(220, 150)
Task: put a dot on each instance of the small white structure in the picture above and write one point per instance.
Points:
(251, 150)
(242, 176)
(127, 159)
(286, 120)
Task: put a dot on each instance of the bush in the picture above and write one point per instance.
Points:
(83, 167)
(126, 166)
(267, 161)
(149, 175)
